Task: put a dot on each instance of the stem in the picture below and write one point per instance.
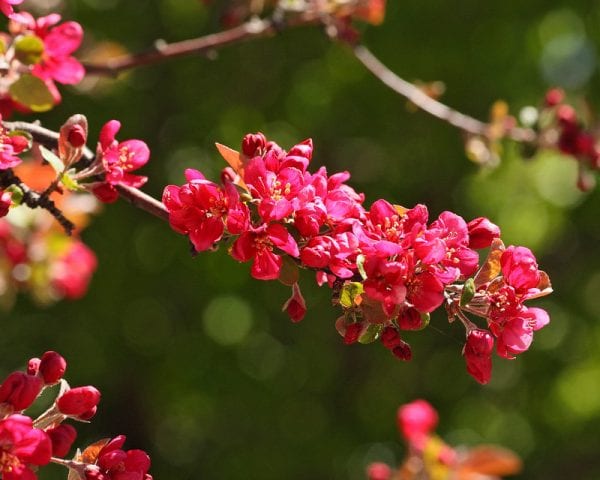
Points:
(430, 105)
(254, 28)
(144, 201)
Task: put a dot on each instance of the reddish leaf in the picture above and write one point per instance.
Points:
(491, 267)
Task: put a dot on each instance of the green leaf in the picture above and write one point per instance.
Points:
(55, 162)
(371, 333)
(349, 293)
(29, 49)
(16, 194)
(360, 264)
(32, 92)
(70, 183)
(425, 319)
(468, 292)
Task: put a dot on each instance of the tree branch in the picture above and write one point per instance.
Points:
(254, 28)
(34, 200)
(430, 105)
(143, 201)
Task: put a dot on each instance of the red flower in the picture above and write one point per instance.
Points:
(258, 245)
(60, 42)
(6, 6)
(113, 463)
(22, 445)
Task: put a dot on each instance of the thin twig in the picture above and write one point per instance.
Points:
(34, 200)
(254, 28)
(144, 201)
(430, 105)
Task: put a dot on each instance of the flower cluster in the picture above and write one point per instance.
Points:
(388, 266)
(429, 457)
(27, 444)
(36, 53)
(572, 137)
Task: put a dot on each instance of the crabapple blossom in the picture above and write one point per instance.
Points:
(388, 267)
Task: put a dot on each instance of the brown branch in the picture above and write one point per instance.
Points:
(49, 139)
(143, 201)
(254, 28)
(430, 105)
(34, 200)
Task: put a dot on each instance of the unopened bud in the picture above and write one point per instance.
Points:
(62, 437)
(379, 471)
(33, 366)
(20, 390)
(554, 96)
(72, 138)
(52, 367)
(352, 333)
(390, 338)
(253, 143)
(410, 319)
(478, 354)
(78, 401)
(482, 232)
(403, 351)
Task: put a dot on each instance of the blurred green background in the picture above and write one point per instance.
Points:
(196, 362)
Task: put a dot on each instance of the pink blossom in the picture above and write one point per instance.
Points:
(258, 246)
(113, 463)
(514, 336)
(60, 42)
(71, 273)
(519, 268)
(416, 421)
(10, 147)
(21, 445)
(6, 6)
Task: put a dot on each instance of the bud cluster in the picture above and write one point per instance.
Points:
(27, 444)
(429, 457)
(388, 266)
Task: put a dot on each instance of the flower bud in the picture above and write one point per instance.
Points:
(253, 143)
(554, 96)
(72, 138)
(482, 232)
(416, 420)
(78, 401)
(410, 319)
(33, 366)
(295, 306)
(403, 351)
(303, 149)
(478, 354)
(379, 471)
(352, 333)
(62, 437)
(20, 390)
(390, 338)
(52, 367)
